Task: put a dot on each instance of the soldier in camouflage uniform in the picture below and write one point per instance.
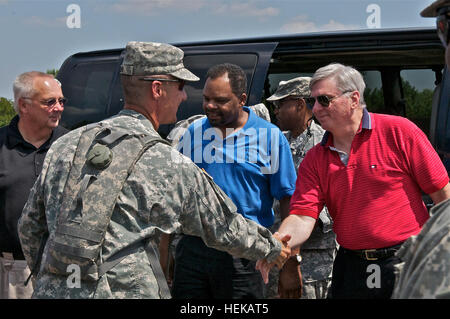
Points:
(165, 192)
(294, 116)
(425, 271)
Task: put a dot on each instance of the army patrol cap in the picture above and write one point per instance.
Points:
(294, 87)
(151, 58)
(432, 9)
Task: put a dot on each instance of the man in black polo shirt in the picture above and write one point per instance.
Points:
(39, 103)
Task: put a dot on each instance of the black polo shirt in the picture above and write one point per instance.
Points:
(20, 165)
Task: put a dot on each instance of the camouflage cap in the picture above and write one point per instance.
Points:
(294, 87)
(151, 58)
(431, 10)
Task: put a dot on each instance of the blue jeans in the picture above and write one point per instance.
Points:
(206, 273)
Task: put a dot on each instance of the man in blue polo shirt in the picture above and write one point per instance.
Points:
(250, 159)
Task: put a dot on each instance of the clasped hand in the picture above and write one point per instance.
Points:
(264, 266)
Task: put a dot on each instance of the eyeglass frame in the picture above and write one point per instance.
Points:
(180, 86)
(307, 100)
(444, 20)
(326, 100)
(49, 103)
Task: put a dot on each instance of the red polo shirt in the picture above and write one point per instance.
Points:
(375, 201)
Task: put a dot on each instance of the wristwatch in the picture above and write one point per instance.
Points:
(297, 257)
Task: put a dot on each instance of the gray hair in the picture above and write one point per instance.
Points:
(23, 86)
(346, 78)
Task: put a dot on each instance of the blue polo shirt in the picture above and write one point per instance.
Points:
(252, 165)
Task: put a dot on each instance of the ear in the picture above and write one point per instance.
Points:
(23, 104)
(355, 99)
(243, 99)
(300, 104)
(156, 89)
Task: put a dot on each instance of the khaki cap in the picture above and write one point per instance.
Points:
(151, 58)
(294, 87)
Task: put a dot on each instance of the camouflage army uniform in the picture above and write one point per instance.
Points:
(319, 250)
(425, 272)
(166, 192)
(261, 110)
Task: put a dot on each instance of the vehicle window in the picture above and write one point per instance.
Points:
(373, 94)
(87, 93)
(418, 87)
(199, 65)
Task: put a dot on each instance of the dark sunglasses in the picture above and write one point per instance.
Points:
(180, 85)
(309, 102)
(278, 103)
(324, 100)
(443, 25)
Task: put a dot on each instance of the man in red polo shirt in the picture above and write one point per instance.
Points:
(370, 171)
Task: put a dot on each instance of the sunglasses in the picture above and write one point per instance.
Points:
(279, 103)
(443, 25)
(309, 102)
(50, 103)
(180, 85)
(324, 100)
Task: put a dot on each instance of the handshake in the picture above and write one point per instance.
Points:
(290, 279)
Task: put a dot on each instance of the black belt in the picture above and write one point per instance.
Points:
(373, 254)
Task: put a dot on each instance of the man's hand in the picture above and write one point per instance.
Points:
(290, 280)
(285, 250)
(264, 267)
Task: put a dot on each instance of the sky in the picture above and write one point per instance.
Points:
(40, 35)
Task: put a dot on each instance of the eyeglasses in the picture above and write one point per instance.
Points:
(325, 100)
(180, 85)
(50, 103)
(309, 101)
(443, 25)
(278, 103)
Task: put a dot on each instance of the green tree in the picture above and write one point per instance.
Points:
(6, 111)
(374, 100)
(418, 105)
(54, 72)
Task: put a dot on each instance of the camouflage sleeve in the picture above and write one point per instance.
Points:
(425, 271)
(210, 214)
(32, 225)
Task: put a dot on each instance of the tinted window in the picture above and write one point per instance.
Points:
(87, 91)
(418, 87)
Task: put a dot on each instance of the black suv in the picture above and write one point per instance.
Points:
(403, 69)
